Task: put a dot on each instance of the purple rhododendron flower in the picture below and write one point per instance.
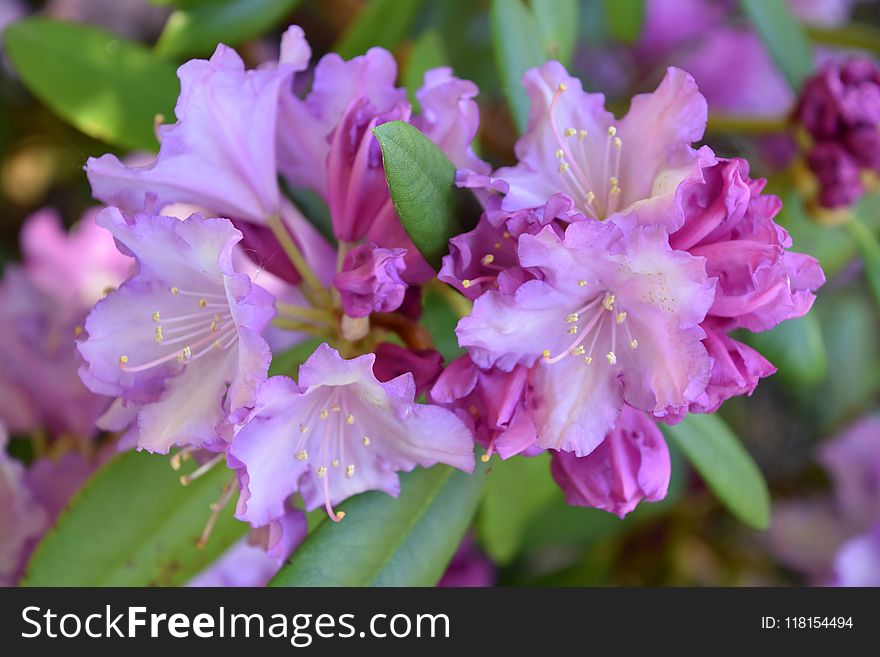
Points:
(630, 465)
(833, 539)
(370, 281)
(574, 147)
(469, 568)
(840, 109)
(179, 343)
(44, 303)
(336, 433)
(613, 316)
(727, 221)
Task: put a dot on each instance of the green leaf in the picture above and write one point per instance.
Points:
(198, 30)
(382, 23)
(287, 362)
(427, 52)
(558, 23)
(133, 524)
(440, 320)
(725, 466)
(387, 541)
(109, 88)
(422, 184)
(869, 247)
(517, 489)
(516, 39)
(783, 36)
(625, 18)
(795, 347)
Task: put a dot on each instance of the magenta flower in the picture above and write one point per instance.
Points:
(370, 282)
(858, 561)
(840, 109)
(613, 316)
(728, 221)
(337, 433)
(493, 403)
(630, 465)
(179, 343)
(574, 147)
(469, 568)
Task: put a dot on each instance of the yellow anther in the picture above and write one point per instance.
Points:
(216, 318)
(203, 303)
(466, 283)
(608, 302)
(156, 316)
(488, 259)
(485, 458)
(324, 414)
(563, 167)
(612, 131)
(588, 360)
(123, 359)
(366, 441)
(582, 134)
(349, 419)
(591, 196)
(218, 345)
(473, 410)
(578, 351)
(214, 326)
(621, 317)
(546, 354)
(506, 235)
(336, 408)
(572, 330)
(573, 317)
(321, 472)
(617, 143)
(303, 428)
(302, 455)
(582, 282)
(187, 352)
(560, 153)
(497, 245)
(349, 470)
(570, 132)
(612, 181)
(335, 463)
(562, 86)
(159, 336)
(612, 358)
(633, 343)
(175, 290)
(77, 331)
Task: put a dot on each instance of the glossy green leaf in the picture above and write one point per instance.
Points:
(422, 184)
(784, 37)
(134, 524)
(517, 489)
(625, 18)
(382, 23)
(387, 541)
(725, 466)
(516, 40)
(109, 88)
(795, 347)
(427, 52)
(558, 23)
(198, 30)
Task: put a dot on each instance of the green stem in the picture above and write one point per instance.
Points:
(860, 37)
(292, 311)
(313, 289)
(870, 249)
(748, 125)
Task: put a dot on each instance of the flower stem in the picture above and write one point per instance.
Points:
(749, 125)
(313, 289)
(295, 312)
(861, 37)
(293, 325)
(459, 303)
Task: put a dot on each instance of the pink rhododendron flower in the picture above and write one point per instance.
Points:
(613, 316)
(179, 343)
(630, 465)
(336, 433)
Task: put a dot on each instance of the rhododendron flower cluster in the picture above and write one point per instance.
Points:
(603, 285)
